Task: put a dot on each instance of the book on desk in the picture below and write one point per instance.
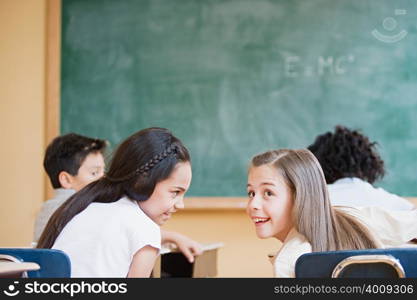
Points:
(172, 263)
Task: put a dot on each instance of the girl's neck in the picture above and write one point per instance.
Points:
(283, 234)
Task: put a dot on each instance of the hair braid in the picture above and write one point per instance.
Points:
(145, 168)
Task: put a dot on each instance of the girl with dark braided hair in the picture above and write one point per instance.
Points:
(110, 228)
(351, 164)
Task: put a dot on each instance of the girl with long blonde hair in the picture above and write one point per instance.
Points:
(288, 200)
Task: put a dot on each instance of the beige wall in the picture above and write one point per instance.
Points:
(22, 61)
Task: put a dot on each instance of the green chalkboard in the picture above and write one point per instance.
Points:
(233, 78)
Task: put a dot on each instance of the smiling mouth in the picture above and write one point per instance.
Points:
(259, 221)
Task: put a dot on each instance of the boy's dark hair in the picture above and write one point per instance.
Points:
(347, 153)
(67, 153)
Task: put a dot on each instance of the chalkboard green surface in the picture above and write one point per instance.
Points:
(233, 78)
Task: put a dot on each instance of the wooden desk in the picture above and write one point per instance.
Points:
(11, 269)
(172, 263)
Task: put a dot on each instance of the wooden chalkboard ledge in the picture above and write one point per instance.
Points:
(215, 203)
(230, 203)
(412, 200)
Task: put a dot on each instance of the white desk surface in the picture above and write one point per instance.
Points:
(168, 248)
(15, 267)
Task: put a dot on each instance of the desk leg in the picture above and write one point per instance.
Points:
(206, 265)
(156, 272)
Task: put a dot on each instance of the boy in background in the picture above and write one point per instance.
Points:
(72, 161)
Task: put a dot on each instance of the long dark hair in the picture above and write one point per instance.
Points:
(139, 163)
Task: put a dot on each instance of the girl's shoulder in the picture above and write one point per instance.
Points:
(293, 247)
(130, 208)
(126, 213)
(135, 217)
(295, 243)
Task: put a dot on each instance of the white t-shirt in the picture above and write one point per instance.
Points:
(391, 228)
(102, 240)
(356, 192)
(293, 247)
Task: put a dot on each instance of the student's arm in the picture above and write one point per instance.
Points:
(143, 262)
(187, 246)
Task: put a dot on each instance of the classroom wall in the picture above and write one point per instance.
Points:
(22, 86)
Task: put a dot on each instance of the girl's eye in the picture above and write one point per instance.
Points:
(268, 193)
(94, 173)
(175, 194)
(251, 194)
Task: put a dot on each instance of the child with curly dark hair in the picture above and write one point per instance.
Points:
(351, 164)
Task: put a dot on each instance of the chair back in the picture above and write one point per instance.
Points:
(368, 263)
(52, 263)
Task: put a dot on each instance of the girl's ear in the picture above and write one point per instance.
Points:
(66, 180)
